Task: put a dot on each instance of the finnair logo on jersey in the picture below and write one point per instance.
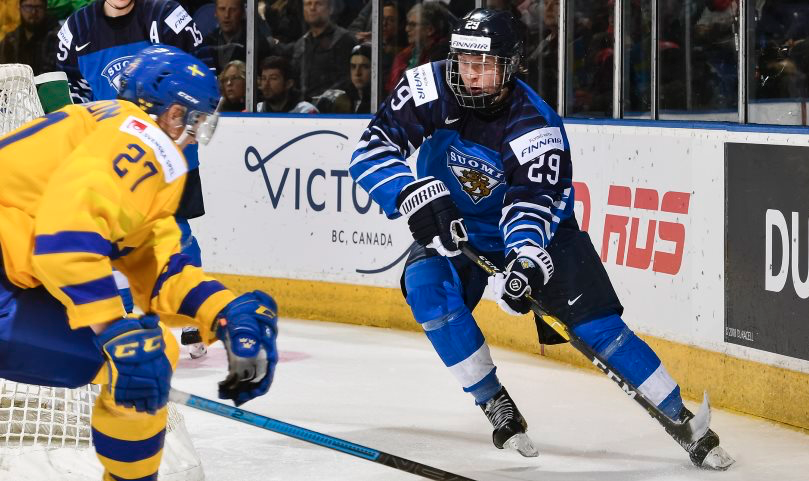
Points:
(422, 84)
(178, 19)
(468, 42)
(65, 36)
(537, 142)
(478, 177)
(112, 72)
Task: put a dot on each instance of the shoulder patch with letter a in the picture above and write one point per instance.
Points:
(528, 147)
(165, 150)
(422, 84)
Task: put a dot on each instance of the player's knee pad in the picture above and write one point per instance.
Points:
(433, 289)
(633, 359)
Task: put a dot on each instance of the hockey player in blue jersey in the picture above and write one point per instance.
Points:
(96, 43)
(494, 170)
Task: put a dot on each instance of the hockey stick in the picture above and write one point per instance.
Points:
(684, 432)
(313, 437)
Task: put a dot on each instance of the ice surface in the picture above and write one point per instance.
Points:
(388, 390)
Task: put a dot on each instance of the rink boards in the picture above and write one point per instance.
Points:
(703, 228)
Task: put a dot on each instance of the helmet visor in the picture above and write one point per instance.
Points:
(201, 125)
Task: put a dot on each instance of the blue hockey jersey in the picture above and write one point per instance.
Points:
(510, 175)
(94, 49)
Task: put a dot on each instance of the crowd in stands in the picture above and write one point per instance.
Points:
(315, 55)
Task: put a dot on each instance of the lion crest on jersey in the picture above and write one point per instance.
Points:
(113, 70)
(477, 177)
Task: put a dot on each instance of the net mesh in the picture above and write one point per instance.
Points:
(53, 417)
(19, 102)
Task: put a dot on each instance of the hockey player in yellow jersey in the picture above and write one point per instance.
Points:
(95, 186)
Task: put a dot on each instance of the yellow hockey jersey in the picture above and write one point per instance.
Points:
(94, 186)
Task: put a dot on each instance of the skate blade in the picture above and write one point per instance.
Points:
(717, 459)
(521, 443)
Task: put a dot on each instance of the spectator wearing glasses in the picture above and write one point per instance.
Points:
(427, 30)
(232, 85)
(278, 88)
(320, 56)
(27, 43)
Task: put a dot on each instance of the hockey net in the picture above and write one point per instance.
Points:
(49, 427)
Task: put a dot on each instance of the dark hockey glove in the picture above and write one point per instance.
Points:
(248, 327)
(433, 218)
(528, 269)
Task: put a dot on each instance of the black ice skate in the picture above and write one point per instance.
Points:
(509, 425)
(705, 452)
(193, 339)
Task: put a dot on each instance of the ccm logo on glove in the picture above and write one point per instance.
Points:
(131, 349)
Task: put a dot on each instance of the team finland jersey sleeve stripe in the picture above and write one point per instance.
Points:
(72, 241)
(378, 164)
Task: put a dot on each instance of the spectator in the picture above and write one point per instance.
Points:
(320, 56)
(232, 85)
(228, 42)
(427, 29)
(278, 88)
(27, 44)
(543, 68)
(392, 33)
(285, 18)
(359, 91)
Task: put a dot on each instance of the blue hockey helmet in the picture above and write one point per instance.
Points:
(162, 75)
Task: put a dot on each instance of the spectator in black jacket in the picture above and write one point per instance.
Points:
(28, 43)
(228, 42)
(321, 56)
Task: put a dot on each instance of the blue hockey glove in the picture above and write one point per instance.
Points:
(433, 218)
(248, 327)
(528, 269)
(139, 371)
